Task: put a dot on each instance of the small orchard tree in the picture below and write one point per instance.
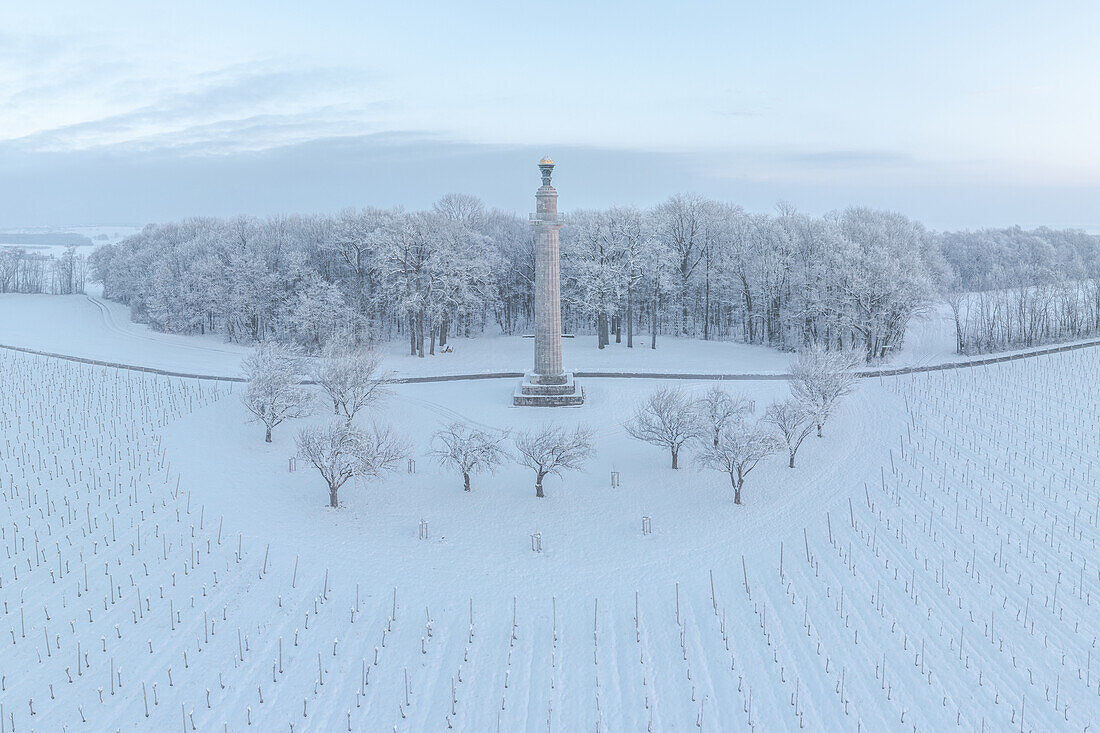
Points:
(667, 418)
(275, 392)
(351, 376)
(740, 446)
(820, 378)
(468, 450)
(340, 451)
(717, 409)
(552, 450)
(792, 422)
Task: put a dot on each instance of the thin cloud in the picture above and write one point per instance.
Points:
(848, 158)
(217, 107)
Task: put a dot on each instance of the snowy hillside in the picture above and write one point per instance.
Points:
(95, 328)
(928, 566)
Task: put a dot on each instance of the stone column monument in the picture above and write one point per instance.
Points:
(548, 385)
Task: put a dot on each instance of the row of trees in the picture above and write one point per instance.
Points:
(689, 267)
(342, 450)
(32, 272)
(700, 268)
(717, 422)
(371, 274)
(1012, 287)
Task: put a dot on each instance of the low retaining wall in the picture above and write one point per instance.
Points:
(863, 374)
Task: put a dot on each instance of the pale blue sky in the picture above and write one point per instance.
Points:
(960, 114)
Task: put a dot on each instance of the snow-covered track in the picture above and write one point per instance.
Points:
(708, 376)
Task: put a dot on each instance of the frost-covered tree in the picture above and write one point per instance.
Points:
(820, 378)
(667, 418)
(889, 278)
(461, 208)
(741, 445)
(340, 451)
(460, 269)
(629, 228)
(1018, 287)
(320, 313)
(792, 422)
(355, 240)
(274, 392)
(469, 450)
(513, 270)
(681, 221)
(351, 376)
(552, 450)
(592, 249)
(717, 409)
(410, 246)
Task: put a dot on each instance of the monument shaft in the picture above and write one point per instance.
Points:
(548, 367)
(548, 384)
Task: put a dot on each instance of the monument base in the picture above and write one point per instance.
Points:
(539, 391)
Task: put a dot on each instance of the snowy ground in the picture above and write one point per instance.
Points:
(928, 566)
(94, 328)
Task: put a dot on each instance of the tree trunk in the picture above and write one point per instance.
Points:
(443, 332)
(466, 480)
(791, 463)
(412, 334)
(420, 333)
(819, 425)
(332, 502)
(629, 318)
(653, 324)
(267, 438)
(335, 407)
(538, 488)
(684, 305)
(601, 327)
(706, 302)
(618, 329)
(737, 484)
(675, 455)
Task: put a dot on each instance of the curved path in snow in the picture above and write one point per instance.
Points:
(716, 376)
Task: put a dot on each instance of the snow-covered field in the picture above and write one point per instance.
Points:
(94, 328)
(97, 235)
(927, 566)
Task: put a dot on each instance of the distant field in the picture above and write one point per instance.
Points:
(78, 235)
(45, 239)
(52, 241)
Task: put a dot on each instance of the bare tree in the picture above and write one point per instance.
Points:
(666, 418)
(717, 409)
(340, 451)
(351, 375)
(275, 392)
(740, 446)
(469, 450)
(551, 450)
(820, 378)
(792, 422)
(463, 208)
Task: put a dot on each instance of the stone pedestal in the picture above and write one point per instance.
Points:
(535, 391)
(548, 385)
